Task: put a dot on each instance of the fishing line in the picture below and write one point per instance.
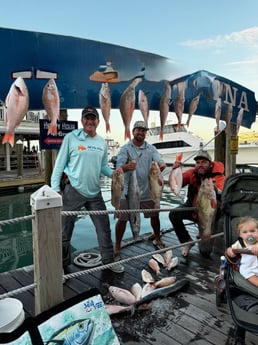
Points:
(204, 145)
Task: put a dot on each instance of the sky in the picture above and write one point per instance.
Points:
(218, 36)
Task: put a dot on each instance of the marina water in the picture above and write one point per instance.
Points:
(16, 239)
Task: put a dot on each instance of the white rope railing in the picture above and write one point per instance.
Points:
(107, 266)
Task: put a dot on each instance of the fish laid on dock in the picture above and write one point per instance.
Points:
(162, 292)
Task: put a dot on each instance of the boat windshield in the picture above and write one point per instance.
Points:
(172, 128)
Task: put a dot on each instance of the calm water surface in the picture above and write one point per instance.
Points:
(16, 239)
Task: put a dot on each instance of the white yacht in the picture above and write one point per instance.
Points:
(180, 140)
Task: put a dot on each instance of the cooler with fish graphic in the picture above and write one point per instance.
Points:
(79, 320)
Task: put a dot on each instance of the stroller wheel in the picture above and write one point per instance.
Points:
(240, 336)
(220, 297)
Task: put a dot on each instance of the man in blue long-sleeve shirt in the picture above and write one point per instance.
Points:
(83, 157)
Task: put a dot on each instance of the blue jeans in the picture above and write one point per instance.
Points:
(74, 201)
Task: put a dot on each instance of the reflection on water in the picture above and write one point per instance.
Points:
(16, 239)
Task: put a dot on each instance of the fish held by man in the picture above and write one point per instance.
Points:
(127, 106)
(206, 204)
(175, 178)
(105, 104)
(156, 184)
(117, 187)
(133, 199)
(51, 102)
(143, 106)
(17, 103)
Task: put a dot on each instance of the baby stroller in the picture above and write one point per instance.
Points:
(239, 198)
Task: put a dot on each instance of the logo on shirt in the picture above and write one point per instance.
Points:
(81, 148)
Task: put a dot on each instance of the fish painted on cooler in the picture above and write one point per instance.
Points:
(192, 108)
(156, 184)
(77, 332)
(117, 187)
(164, 104)
(51, 102)
(17, 103)
(127, 106)
(143, 106)
(105, 104)
(206, 204)
(175, 178)
(122, 295)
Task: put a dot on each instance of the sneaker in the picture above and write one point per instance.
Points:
(117, 268)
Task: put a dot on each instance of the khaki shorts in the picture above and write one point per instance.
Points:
(148, 204)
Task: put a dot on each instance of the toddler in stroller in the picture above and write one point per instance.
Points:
(239, 206)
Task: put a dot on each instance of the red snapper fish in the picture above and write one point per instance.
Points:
(17, 103)
(206, 204)
(51, 102)
(105, 104)
(175, 178)
(143, 106)
(156, 184)
(179, 109)
(122, 295)
(127, 105)
(164, 104)
(192, 108)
